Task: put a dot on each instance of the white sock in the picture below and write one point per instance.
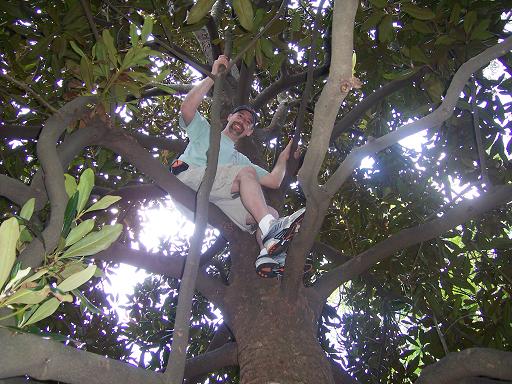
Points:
(264, 224)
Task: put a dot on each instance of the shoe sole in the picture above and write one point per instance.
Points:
(282, 245)
(269, 270)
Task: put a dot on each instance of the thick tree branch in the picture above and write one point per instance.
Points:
(132, 193)
(368, 102)
(463, 212)
(171, 266)
(434, 119)
(224, 356)
(126, 146)
(473, 362)
(17, 191)
(149, 142)
(50, 360)
(20, 131)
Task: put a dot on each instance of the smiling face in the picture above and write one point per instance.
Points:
(240, 124)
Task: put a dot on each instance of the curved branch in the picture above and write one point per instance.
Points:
(285, 83)
(54, 177)
(468, 363)
(50, 360)
(368, 102)
(434, 119)
(463, 212)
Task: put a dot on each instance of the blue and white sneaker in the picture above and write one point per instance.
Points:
(281, 232)
(273, 266)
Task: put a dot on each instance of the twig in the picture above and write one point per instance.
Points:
(478, 137)
(440, 334)
(92, 24)
(27, 89)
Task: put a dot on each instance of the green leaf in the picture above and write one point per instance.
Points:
(28, 209)
(418, 55)
(454, 16)
(76, 280)
(87, 73)
(20, 274)
(470, 20)
(77, 49)
(134, 37)
(69, 184)
(79, 232)
(84, 302)
(9, 234)
(244, 13)
(109, 44)
(104, 202)
(84, 188)
(94, 242)
(199, 10)
(146, 29)
(69, 214)
(28, 296)
(166, 88)
(386, 29)
(445, 40)
(419, 13)
(36, 275)
(421, 27)
(46, 309)
(379, 3)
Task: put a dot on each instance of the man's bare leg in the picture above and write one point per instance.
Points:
(246, 183)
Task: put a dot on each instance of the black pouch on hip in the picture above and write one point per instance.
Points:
(178, 166)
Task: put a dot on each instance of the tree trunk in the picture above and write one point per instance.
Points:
(277, 341)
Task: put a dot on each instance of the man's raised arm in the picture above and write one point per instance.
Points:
(195, 96)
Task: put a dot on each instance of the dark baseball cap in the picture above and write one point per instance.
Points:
(248, 108)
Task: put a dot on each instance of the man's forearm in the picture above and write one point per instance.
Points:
(193, 99)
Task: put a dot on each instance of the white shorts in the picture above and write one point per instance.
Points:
(221, 194)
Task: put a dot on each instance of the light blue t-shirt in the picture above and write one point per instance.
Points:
(198, 132)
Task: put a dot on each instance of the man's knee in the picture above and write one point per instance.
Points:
(247, 172)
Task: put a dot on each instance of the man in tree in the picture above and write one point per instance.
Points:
(237, 186)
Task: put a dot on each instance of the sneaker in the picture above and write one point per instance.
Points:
(273, 266)
(281, 232)
(270, 266)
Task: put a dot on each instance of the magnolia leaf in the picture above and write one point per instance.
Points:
(77, 49)
(244, 13)
(69, 184)
(134, 37)
(69, 213)
(46, 309)
(109, 44)
(28, 296)
(35, 276)
(79, 232)
(85, 303)
(199, 10)
(77, 279)
(84, 188)
(469, 20)
(28, 209)
(94, 242)
(9, 234)
(20, 274)
(418, 12)
(104, 202)
(146, 29)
